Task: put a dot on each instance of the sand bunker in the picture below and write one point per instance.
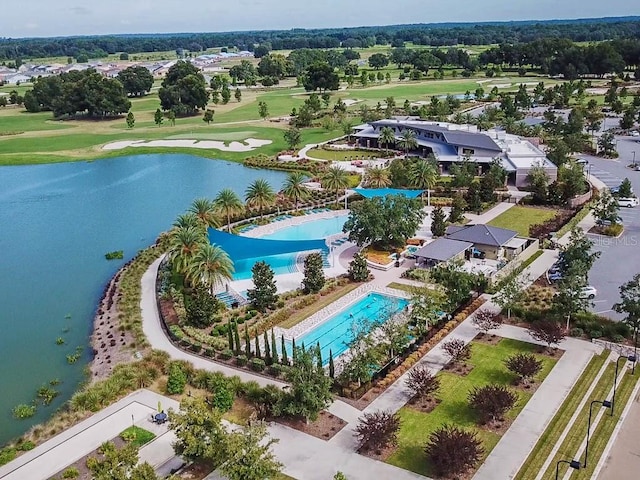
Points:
(350, 101)
(245, 146)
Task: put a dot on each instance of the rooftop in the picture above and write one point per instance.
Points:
(483, 234)
(443, 249)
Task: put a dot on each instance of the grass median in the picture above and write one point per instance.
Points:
(549, 438)
(569, 447)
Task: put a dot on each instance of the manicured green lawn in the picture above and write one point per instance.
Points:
(488, 367)
(340, 155)
(548, 439)
(142, 436)
(521, 218)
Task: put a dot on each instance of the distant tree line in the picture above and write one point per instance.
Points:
(562, 56)
(587, 30)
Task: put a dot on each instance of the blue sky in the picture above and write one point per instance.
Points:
(89, 17)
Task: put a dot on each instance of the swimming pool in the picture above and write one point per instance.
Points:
(339, 330)
(286, 263)
(321, 228)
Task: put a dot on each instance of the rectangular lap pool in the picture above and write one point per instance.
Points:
(339, 330)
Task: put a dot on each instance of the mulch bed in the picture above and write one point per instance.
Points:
(550, 352)
(365, 400)
(496, 426)
(196, 471)
(380, 455)
(459, 369)
(487, 338)
(324, 428)
(424, 405)
(81, 464)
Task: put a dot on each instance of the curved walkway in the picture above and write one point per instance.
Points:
(158, 339)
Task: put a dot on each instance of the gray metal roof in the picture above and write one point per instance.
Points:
(483, 234)
(443, 249)
(453, 137)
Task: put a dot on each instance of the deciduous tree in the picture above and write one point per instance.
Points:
(524, 365)
(420, 381)
(377, 430)
(491, 402)
(452, 450)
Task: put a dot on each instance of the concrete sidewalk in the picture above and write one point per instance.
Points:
(489, 215)
(71, 445)
(158, 340)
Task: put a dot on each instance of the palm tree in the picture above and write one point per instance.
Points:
(228, 202)
(294, 188)
(408, 141)
(205, 210)
(377, 177)
(386, 137)
(187, 220)
(335, 179)
(259, 194)
(183, 245)
(210, 266)
(423, 174)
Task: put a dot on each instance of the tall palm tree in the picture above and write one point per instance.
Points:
(187, 220)
(377, 177)
(294, 188)
(183, 245)
(228, 202)
(205, 210)
(386, 137)
(423, 174)
(408, 141)
(210, 266)
(259, 194)
(335, 179)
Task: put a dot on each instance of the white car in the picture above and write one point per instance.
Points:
(588, 292)
(634, 133)
(628, 202)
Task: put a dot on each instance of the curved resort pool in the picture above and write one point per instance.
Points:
(286, 263)
(340, 329)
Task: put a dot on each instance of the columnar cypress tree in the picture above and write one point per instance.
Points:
(247, 341)
(267, 349)
(274, 348)
(293, 351)
(236, 338)
(285, 357)
(257, 344)
(230, 336)
(332, 368)
(319, 355)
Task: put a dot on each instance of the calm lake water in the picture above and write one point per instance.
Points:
(56, 223)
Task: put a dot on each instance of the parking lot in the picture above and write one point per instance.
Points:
(620, 258)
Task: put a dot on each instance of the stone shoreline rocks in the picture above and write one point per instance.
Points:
(110, 344)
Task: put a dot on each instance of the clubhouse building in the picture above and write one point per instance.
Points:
(452, 143)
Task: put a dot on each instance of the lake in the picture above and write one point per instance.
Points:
(56, 223)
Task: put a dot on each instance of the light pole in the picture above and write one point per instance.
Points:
(575, 464)
(634, 158)
(631, 358)
(604, 403)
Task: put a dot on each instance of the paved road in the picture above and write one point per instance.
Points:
(619, 260)
(623, 463)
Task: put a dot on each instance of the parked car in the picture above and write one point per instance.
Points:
(588, 292)
(616, 190)
(628, 202)
(634, 133)
(554, 277)
(603, 223)
(582, 161)
(478, 253)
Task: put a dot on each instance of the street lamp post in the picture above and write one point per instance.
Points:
(604, 403)
(634, 158)
(575, 464)
(631, 358)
